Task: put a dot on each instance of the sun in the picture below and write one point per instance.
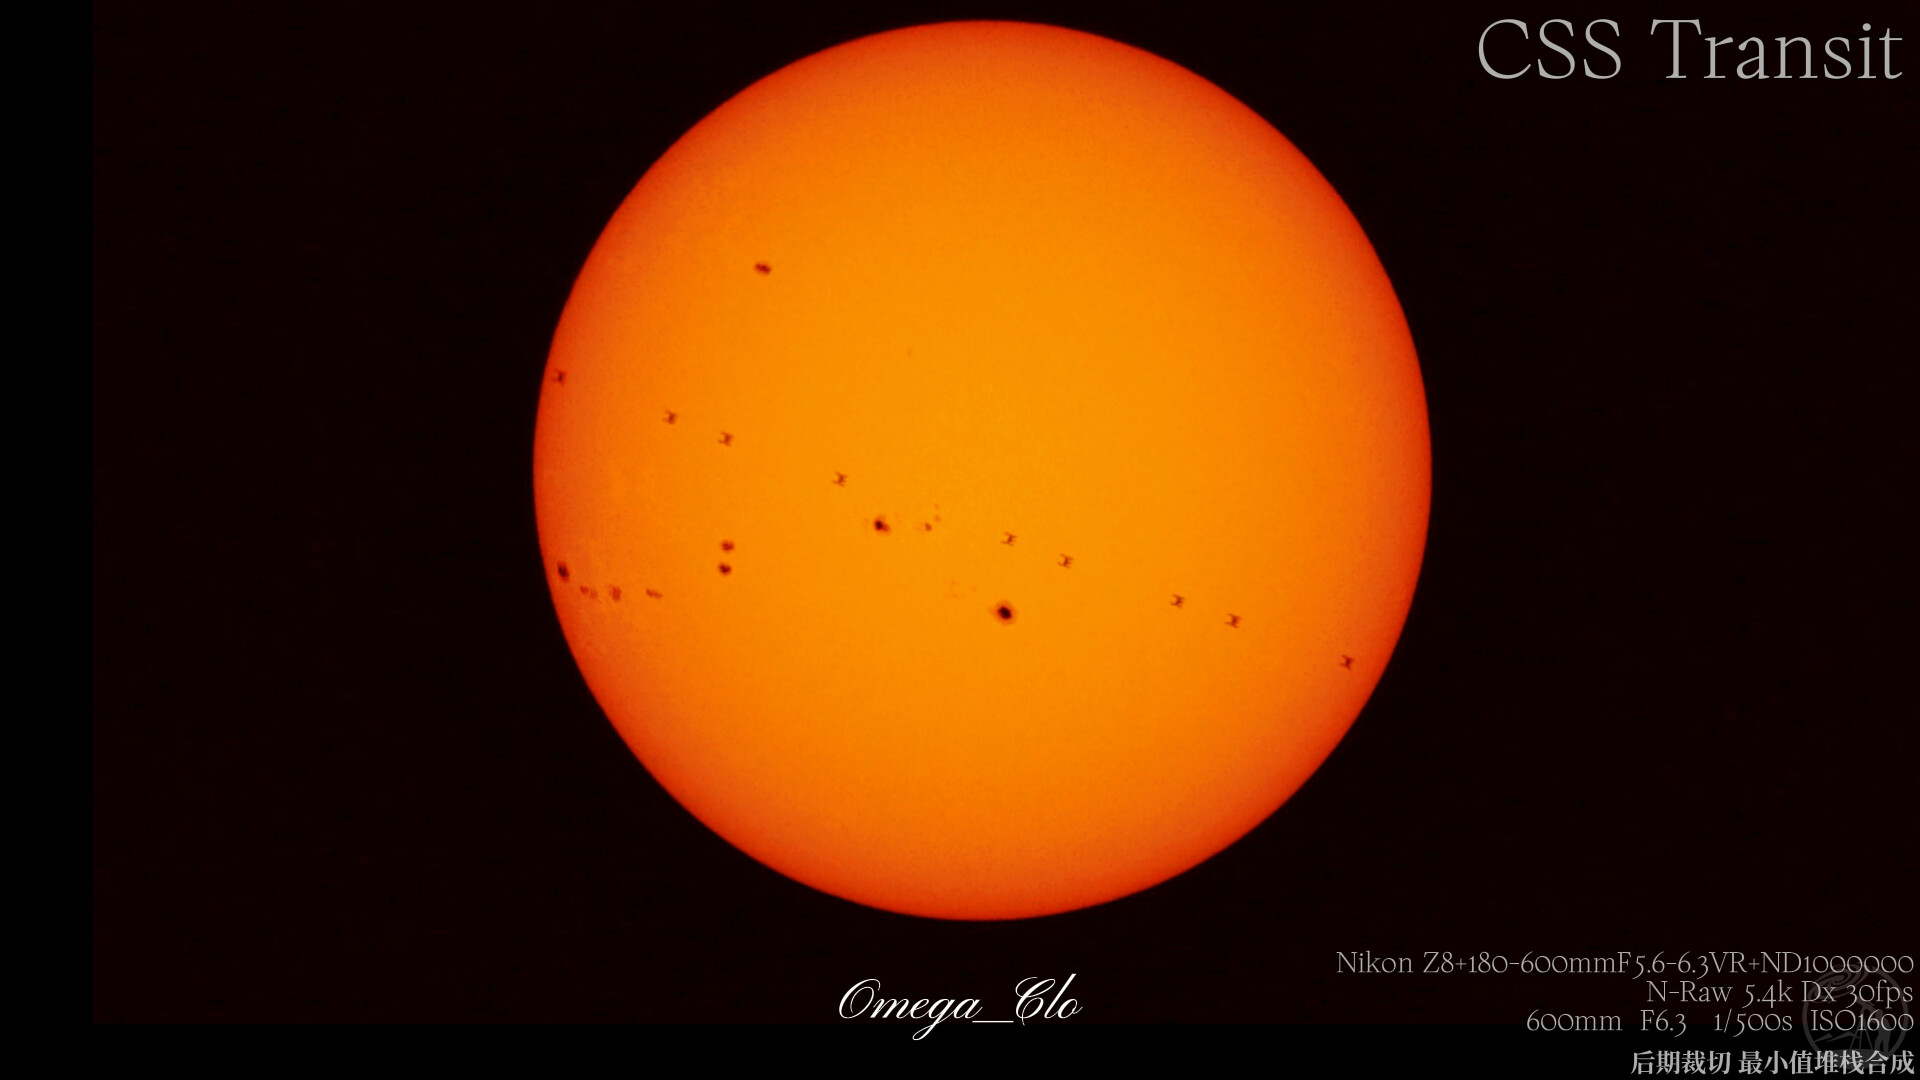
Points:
(982, 470)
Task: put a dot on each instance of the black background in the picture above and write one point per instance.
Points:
(1653, 693)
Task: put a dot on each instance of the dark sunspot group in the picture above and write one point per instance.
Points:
(879, 524)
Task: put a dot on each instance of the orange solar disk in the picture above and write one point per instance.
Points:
(982, 470)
